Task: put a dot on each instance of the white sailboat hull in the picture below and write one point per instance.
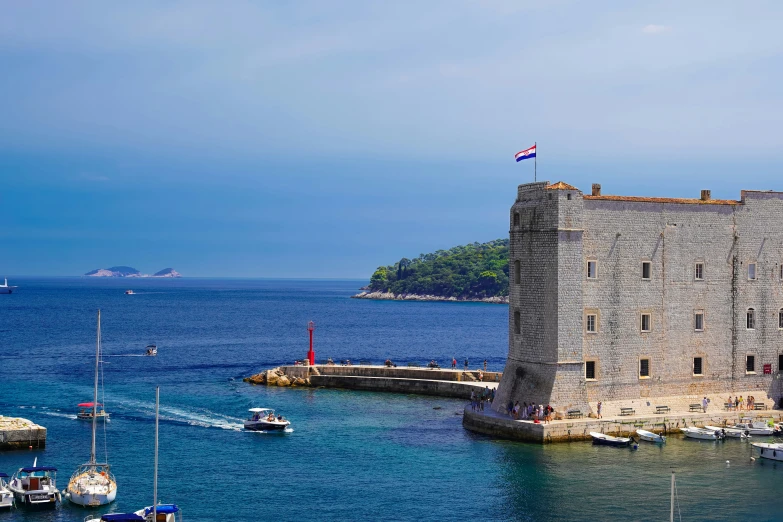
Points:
(89, 498)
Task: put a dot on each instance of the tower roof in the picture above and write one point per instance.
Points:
(561, 185)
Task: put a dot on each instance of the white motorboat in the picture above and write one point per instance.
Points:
(754, 428)
(769, 451)
(6, 497)
(35, 486)
(129, 292)
(152, 350)
(734, 433)
(92, 484)
(5, 289)
(88, 410)
(650, 436)
(264, 419)
(163, 513)
(608, 440)
(701, 433)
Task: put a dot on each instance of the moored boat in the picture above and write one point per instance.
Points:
(772, 451)
(650, 436)
(264, 419)
(754, 428)
(35, 486)
(92, 484)
(608, 440)
(701, 433)
(6, 497)
(734, 433)
(5, 289)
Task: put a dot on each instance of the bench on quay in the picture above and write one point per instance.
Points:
(414, 365)
(662, 409)
(695, 407)
(760, 406)
(627, 411)
(574, 414)
(365, 362)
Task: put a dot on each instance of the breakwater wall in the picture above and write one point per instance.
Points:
(489, 422)
(436, 382)
(18, 433)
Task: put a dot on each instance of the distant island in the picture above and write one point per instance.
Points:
(475, 272)
(128, 271)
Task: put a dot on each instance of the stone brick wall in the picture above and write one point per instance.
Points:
(555, 230)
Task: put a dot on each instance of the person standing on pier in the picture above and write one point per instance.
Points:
(454, 363)
(704, 404)
(599, 409)
(466, 364)
(485, 365)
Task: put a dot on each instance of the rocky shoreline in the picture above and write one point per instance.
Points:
(390, 296)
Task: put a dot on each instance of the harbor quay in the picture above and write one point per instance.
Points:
(18, 433)
(619, 418)
(422, 381)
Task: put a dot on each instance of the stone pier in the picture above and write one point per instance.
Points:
(18, 433)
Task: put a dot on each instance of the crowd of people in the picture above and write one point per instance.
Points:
(479, 398)
(536, 413)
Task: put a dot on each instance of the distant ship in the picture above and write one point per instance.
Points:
(5, 289)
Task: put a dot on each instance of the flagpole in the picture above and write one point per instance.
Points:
(535, 163)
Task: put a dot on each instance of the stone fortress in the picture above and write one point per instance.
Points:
(622, 298)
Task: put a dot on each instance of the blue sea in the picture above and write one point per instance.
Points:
(351, 455)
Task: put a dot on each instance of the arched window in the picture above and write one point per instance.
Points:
(517, 322)
(518, 273)
(750, 319)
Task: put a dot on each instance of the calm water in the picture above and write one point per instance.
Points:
(352, 455)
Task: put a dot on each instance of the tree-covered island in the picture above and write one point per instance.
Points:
(475, 272)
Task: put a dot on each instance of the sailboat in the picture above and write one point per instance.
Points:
(93, 484)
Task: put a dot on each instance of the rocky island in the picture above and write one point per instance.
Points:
(127, 271)
(470, 273)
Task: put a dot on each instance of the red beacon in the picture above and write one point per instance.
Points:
(311, 353)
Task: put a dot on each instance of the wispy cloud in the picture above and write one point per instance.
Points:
(656, 29)
(89, 176)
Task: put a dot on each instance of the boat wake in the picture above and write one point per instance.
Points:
(200, 417)
(125, 355)
(57, 414)
(272, 432)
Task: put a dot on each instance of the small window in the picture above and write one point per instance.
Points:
(646, 269)
(590, 370)
(698, 320)
(750, 321)
(697, 366)
(781, 271)
(698, 273)
(517, 323)
(750, 364)
(780, 319)
(568, 197)
(516, 219)
(780, 362)
(751, 271)
(592, 269)
(591, 323)
(646, 322)
(644, 368)
(517, 272)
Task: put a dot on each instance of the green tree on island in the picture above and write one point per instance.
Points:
(469, 271)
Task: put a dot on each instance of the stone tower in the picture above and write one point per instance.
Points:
(545, 361)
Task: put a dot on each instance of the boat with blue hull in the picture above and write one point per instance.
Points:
(608, 440)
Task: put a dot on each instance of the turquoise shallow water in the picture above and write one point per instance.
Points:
(352, 455)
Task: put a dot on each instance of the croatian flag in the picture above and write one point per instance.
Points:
(526, 154)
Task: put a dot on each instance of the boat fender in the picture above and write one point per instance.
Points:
(774, 453)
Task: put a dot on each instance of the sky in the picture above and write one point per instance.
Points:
(312, 139)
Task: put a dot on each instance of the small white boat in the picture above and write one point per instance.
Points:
(35, 486)
(264, 419)
(608, 440)
(701, 433)
(754, 428)
(769, 451)
(164, 513)
(6, 497)
(5, 289)
(650, 436)
(734, 433)
(88, 410)
(152, 350)
(129, 292)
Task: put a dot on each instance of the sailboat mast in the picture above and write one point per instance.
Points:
(671, 513)
(95, 391)
(155, 482)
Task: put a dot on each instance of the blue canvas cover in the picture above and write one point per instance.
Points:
(38, 468)
(163, 508)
